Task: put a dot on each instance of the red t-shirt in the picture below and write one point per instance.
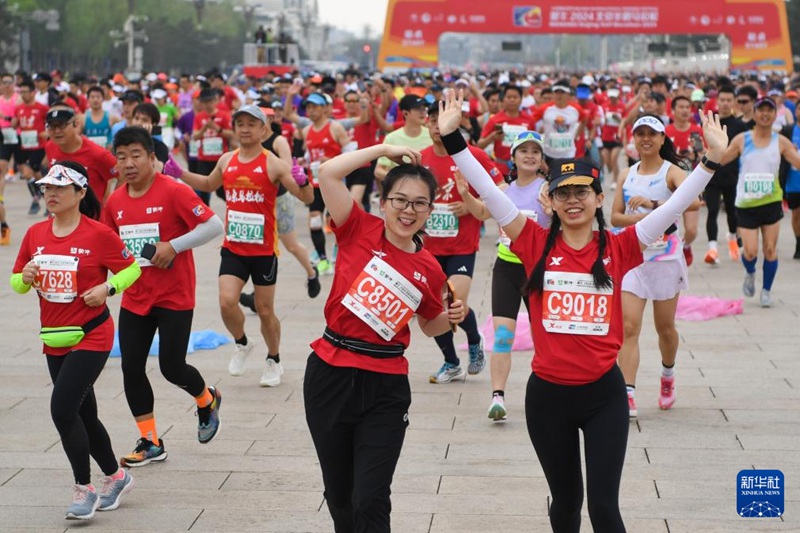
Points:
(31, 123)
(167, 210)
(369, 268)
(446, 233)
(614, 116)
(502, 146)
(212, 144)
(99, 162)
(69, 266)
(250, 227)
(578, 329)
(338, 110)
(287, 130)
(683, 139)
(321, 146)
(229, 96)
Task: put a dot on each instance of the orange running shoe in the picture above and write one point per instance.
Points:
(5, 236)
(733, 249)
(712, 257)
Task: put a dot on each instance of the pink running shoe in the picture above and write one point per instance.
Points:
(633, 412)
(666, 399)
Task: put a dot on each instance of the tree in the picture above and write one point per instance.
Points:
(9, 31)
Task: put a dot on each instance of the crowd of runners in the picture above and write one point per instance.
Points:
(400, 176)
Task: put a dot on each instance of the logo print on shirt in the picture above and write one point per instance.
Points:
(119, 215)
(462, 268)
(419, 277)
(379, 254)
(607, 261)
(258, 171)
(556, 261)
(39, 250)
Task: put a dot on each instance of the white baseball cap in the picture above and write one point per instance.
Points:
(651, 122)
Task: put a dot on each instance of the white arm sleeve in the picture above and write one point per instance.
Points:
(653, 226)
(500, 206)
(201, 234)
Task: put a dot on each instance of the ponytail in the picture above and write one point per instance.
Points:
(602, 280)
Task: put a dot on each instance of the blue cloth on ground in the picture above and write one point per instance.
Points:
(198, 340)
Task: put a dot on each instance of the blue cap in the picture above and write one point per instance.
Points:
(316, 99)
(582, 92)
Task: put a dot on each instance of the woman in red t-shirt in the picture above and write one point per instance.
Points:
(66, 258)
(356, 389)
(574, 281)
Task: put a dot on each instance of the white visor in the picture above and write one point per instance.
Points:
(651, 122)
(62, 176)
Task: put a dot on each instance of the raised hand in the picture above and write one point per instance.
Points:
(450, 111)
(399, 154)
(715, 134)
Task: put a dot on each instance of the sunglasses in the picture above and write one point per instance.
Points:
(743, 101)
(530, 136)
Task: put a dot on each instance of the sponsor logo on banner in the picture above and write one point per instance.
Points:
(528, 16)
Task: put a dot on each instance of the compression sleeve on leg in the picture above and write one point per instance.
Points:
(653, 226)
(126, 277)
(500, 206)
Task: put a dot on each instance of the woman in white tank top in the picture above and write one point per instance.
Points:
(663, 274)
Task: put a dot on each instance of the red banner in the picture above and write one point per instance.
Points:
(757, 29)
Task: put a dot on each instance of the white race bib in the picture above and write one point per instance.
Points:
(505, 240)
(29, 138)
(194, 148)
(212, 146)
(442, 222)
(135, 236)
(560, 142)
(573, 305)
(99, 140)
(757, 185)
(382, 298)
(57, 280)
(314, 168)
(510, 133)
(246, 228)
(10, 136)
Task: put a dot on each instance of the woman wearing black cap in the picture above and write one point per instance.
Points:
(574, 280)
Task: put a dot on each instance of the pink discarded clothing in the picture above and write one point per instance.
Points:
(522, 335)
(702, 308)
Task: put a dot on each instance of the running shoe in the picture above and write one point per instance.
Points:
(35, 207)
(687, 253)
(712, 257)
(796, 252)
(497, 411)
(448, 373)
(145, 452)
(666, 398)
(477, 359)
(633, 412)
(85, 502)
(766, 298)
(749, 285)
(325, 267)
(238, 364)
(313, 285)
(733, 249)
(113, 489)
(248, 300)
(208, 418)
(314, 257)
(5, 236)
(272, 374)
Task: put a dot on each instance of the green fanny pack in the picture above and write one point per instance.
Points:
(69, 336)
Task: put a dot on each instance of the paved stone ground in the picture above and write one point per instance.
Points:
(738, 391)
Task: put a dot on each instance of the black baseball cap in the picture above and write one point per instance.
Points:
(765, 100)
(61, 114)
(208, 94)
(132, 96)
(565, 172)
(412, 101)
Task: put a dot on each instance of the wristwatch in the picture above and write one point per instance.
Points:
(710, 164)
(110, 289)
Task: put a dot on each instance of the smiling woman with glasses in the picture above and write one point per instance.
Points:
(574, 274)
(356, 389)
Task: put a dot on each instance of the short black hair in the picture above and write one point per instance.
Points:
(95, 89)
(511, 88)
(678, 99)
(27, 83)
(134, 135)
(747, 90)
(149, 110)
(727, 89)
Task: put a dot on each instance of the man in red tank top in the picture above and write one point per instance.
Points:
(324, 139)
(250, 177)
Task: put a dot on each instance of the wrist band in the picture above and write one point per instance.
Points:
(454, 142)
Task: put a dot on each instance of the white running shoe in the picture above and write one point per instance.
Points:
(238, 364)
(272, 374)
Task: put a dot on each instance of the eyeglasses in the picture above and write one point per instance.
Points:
(351, 101)
(562, 194)
(58, 126)
(420, 206)
(530, 136)
(49, 188)
(743, 101)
